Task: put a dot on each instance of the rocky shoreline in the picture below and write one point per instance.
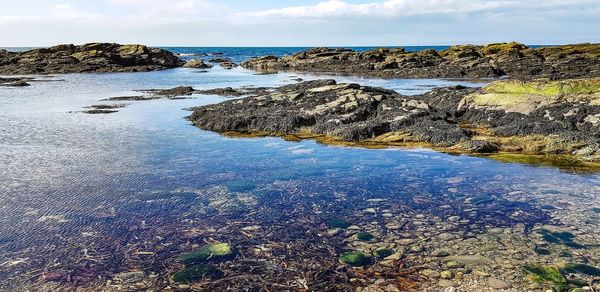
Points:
(504, 117)
(464, 61)
(93, 57)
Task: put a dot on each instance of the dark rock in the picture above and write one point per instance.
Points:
(467, 61)
(94, 57)
(458, 117)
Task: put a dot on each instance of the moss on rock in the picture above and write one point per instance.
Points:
(354, 258)
(195, 273)
(214, 251)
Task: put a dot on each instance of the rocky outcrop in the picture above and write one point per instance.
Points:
(197, 64)
(465, 61)
(455, 118)
(94, 57)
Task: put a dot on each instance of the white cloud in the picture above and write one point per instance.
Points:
(174, 10)
(393, 8)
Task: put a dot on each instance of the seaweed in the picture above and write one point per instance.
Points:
(195, 273)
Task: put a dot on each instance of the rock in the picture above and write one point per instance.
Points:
(197, 64)
(440, 253)
(349, 113)
(446, 275)
(93, 57)
(365, 236)
(354, 258)
(493, 60)
(481, 146)
(474, 260)
(214, 251)
(228, 65)
(431, 274)
(194, 273)
(498, 284)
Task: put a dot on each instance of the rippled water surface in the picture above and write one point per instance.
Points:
(112, 200)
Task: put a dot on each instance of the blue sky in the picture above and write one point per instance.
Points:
(298, 23)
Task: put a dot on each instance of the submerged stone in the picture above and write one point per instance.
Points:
(383, 253)
(541, 251)
(575, 268)
(365, 236)
(546, 274)
(215, 251)
(338, 223)
(195, 273)
(354, 258)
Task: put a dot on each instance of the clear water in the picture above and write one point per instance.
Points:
(85, 197)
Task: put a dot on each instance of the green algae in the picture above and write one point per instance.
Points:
(509, 94)
(365, 236)
(195, 273)
(546, 274)
(338, 223)
(383, 253)
(354, 258)
(214, 251)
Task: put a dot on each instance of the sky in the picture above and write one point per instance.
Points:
(26, 23)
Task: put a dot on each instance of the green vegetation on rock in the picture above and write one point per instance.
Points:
(524, 96)
(383, 253)
(365, 236)
(546, 274)
(354, 258)
(338, 223)
(195, 273)
(214, 251)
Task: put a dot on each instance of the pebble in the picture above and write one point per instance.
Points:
(446, 275)
(498, 284)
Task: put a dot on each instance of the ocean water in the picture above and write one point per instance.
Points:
(111, 201)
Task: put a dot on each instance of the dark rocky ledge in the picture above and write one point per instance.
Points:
(464, 61)
(94, 57)
(553, 118)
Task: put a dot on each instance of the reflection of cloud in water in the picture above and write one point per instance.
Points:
(303, 151)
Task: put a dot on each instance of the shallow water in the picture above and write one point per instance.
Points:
(85, 197)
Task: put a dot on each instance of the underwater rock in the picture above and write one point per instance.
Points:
(214, 251)
(338, 223)
(383, 253)
(195, 273)
(365, 236)
(546, 274)
(354, 258)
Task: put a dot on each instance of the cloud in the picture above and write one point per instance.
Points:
(395, 8)
(173, 10)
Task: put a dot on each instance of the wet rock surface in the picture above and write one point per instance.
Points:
(465, 61)
(456, 118)
(93, 57)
